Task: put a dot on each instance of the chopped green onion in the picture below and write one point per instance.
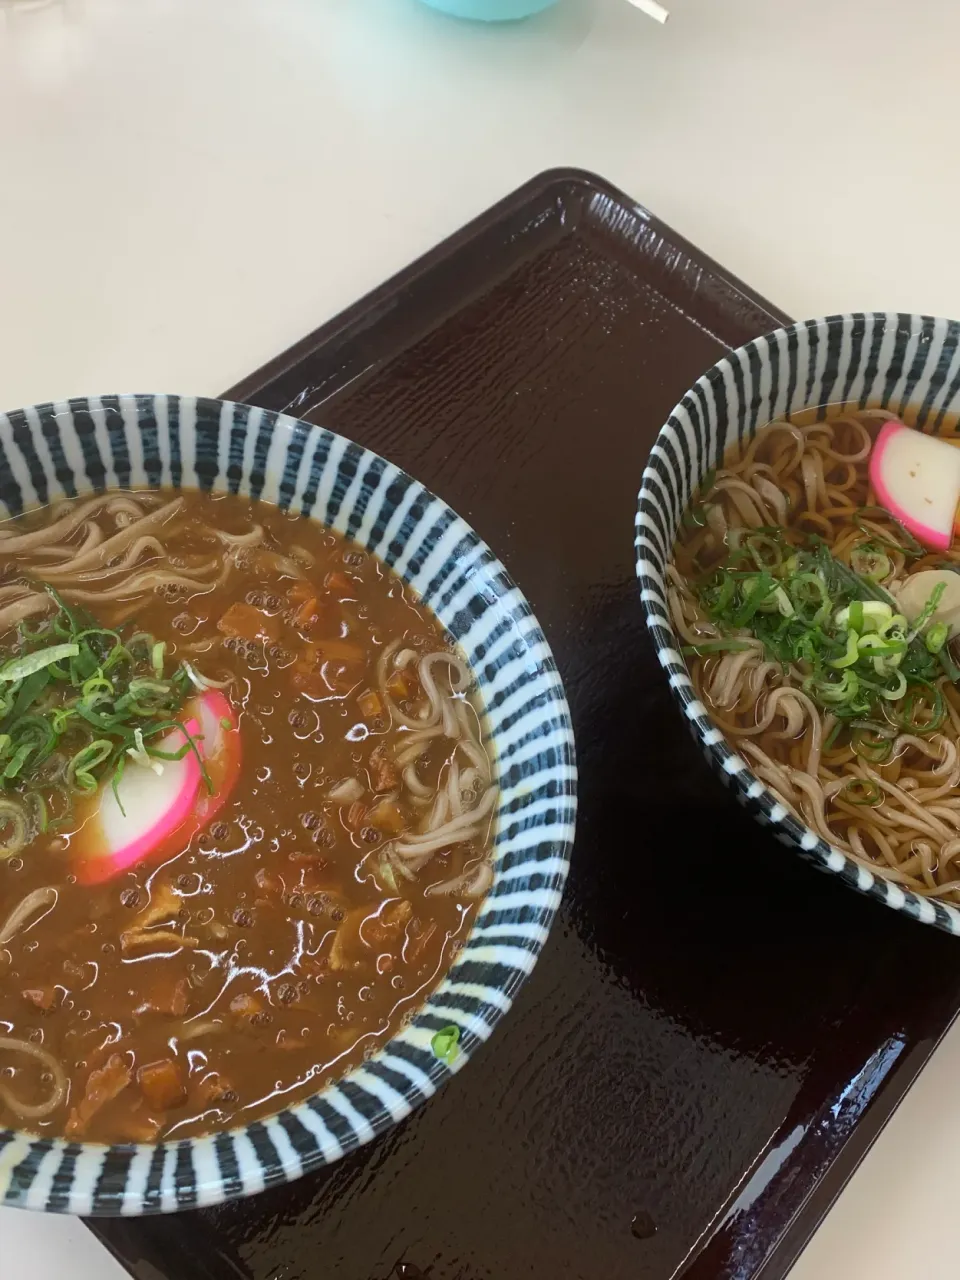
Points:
(948, 666)
(861, 791)
(899, 688)
(928, 610)
(700, 649)
(871, 745)
(20, 758)
(761, 587)
(80, 769)
(922, 710)
(868, 613)
(870, 562)
(936, 637)
(852, 652)
(75, 699)
(831, 693)
(20, 668)
(29, 691)
(446, 1044)
(839, 633)
(909, 544)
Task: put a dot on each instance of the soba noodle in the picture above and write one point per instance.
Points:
(883, 787)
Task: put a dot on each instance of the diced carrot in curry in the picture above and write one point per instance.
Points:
(210, 1089)
(300, 591)
(370, 704)
(103, 1086)
(397, 685)
(387, 816)
(386, 926)
(247, 623)
(328, 666)
(340, 584)
(309, 615)
(161, 1084)
(384, 774)
(365, 928)
(166, 997)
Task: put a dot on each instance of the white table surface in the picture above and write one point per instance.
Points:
(186, 186)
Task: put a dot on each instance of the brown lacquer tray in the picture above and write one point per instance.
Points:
(714, 1034)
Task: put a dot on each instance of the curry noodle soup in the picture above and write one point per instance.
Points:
(245, 814)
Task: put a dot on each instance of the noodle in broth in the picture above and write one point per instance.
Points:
(878, 778)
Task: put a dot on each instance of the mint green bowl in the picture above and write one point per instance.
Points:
(490, 10)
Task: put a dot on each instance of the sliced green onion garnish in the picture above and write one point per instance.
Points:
(936, 637)
(872, 746)
(908, 542)
(928, 610)
(703, 648)
(861, 791)
(446, 1044)
(75, 698)
(948, 666)
(80, 769)
(20, 668)
(837, 631)
(852, 652)
(895, 691)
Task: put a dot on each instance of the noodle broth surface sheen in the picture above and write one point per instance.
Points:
(781, 556)
(220, 980)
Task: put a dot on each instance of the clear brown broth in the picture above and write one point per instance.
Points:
(254, 1016)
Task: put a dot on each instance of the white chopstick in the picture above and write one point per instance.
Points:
(651, 9)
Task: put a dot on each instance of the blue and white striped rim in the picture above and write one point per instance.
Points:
(874, 359)
(51, 451)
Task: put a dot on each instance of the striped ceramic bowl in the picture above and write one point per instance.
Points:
(890, 360)
(52, 450)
